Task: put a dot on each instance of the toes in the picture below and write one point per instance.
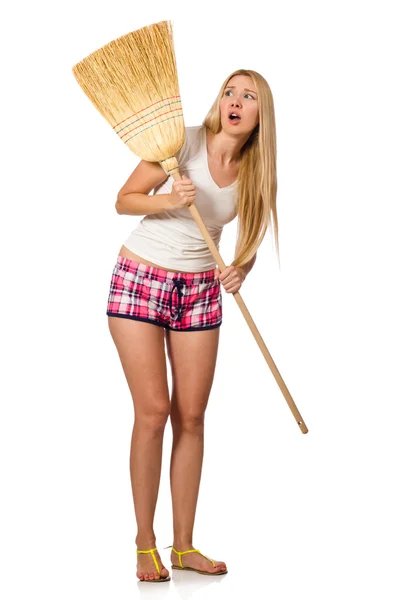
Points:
(142, 576)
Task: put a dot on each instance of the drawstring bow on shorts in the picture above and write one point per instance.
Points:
(178, 283)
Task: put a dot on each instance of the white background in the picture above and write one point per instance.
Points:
(293, 516)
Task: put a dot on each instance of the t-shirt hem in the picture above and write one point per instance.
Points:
(174, 268)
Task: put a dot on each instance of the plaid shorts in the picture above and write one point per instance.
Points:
(177, 301)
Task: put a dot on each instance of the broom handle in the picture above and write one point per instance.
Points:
(210, 242)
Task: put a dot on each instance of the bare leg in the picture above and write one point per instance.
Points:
(193, 358)
(141, 350)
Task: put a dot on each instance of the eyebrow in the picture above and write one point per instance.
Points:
(234, 87)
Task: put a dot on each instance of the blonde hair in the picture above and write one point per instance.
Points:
(257, 176)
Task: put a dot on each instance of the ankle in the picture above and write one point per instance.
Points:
(182, 544)
(145, 541)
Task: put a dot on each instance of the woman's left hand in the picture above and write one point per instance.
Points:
(231, 278)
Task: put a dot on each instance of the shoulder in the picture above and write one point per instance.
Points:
(193, 133)
(194, 130)
(191, 144)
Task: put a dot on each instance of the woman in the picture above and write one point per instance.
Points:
(166, 284)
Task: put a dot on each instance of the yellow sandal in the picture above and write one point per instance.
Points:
(157, 566)
(191, 568)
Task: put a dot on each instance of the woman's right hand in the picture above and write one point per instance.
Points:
(183, 193)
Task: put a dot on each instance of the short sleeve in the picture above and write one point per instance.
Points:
(182, 152)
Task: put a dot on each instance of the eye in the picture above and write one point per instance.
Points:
(247, 94)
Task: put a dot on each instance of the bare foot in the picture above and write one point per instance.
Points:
(146, 568)
(197, 561)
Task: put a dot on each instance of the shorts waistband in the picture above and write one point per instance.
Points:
(163, 275)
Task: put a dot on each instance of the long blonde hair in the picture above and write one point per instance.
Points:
(257, 176)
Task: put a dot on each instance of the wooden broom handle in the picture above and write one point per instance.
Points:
(217, 257)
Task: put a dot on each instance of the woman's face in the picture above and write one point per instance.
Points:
(239, 97)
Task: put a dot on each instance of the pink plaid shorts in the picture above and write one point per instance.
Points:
(177, 301)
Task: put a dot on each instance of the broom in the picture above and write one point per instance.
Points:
(133, 83)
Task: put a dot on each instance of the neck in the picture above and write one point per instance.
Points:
(225, 147)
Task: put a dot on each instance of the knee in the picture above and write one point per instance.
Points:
(153, 420)
(190, 422)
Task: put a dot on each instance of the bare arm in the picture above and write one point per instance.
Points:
(134, 199)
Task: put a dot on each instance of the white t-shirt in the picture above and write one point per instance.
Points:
(172, 238)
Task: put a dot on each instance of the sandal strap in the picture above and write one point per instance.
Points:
(187, 552)
(152, 551)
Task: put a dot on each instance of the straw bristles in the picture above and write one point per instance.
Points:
(133, 83)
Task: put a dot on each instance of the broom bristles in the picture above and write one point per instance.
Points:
(133, 83)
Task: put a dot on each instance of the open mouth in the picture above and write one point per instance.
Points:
(234, 118)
